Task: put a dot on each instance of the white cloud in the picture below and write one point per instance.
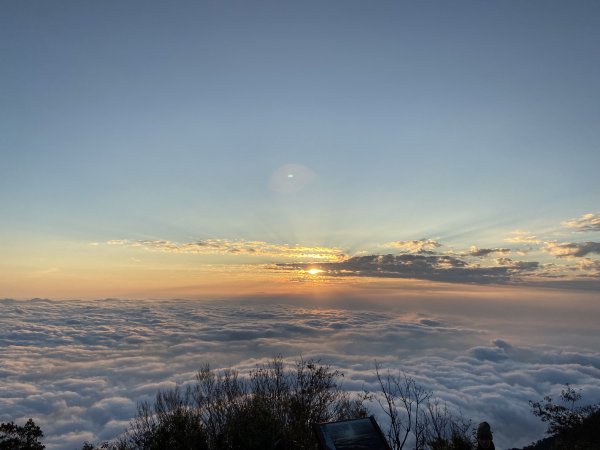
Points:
(74, 368)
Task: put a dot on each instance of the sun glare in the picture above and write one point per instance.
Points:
(314, 271)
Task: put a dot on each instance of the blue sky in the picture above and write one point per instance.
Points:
(415, 182)
(458, 122)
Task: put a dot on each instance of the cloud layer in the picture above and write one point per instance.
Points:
(79, 367)
(430, 266)
(421, 266)
(528, 260)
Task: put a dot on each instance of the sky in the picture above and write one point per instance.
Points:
(149, 140)
(428, 160)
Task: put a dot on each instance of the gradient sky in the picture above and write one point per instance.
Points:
(409, 182)
(159, 149)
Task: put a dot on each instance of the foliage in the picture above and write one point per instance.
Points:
(444, 430)
(417, 418)
(273, 408)
(16, 437)
(571, 426)
(561, 417)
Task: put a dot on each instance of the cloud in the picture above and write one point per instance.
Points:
(520, 266)
(488, 354)
(419, 259)
(111, 408)
(72, 367)
(570, 249)
(414, 246)
(587, 222)
(522, 237)
(425, 267)
(236, 247)
(474, 251)
(591, 266)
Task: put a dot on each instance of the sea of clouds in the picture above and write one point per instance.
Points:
(78, 368)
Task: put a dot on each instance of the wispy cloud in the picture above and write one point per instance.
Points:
(474, 251)
(521, 266)
(532, 258)
(414, 246)
(587, 222)
(590, 268)
(237, 247)
(522, 237)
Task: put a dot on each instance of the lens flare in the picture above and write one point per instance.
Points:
(291, 178)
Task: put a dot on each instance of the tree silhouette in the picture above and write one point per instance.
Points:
(16, 437)
(570, 426)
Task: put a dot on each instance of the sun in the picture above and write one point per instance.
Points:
(314, 271)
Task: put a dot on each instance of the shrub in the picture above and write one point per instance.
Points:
(571, 426)
(16, 437)
(271, 409)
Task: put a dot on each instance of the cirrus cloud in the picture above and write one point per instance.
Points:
(236, 247)
(414, 246)
(522, 237)
(474, 251)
